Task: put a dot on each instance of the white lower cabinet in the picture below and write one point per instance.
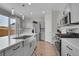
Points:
(75, 51)
(15, 50)
(1, 53)
(32, 45)
(24, 48)
(64, 50)
(68, 49)
(19, 51)
(29, 46)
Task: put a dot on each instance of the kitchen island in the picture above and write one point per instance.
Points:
(18, 47)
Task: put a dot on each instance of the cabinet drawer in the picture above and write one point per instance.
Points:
(26, 50)
(72, 51)
(1, 53)
(68, 49)
(34, 43)
(75, 51)
(65, 51)
(13, 49)
(64, 48)
(26, 43)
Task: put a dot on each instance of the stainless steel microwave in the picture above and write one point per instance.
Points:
(66, 19)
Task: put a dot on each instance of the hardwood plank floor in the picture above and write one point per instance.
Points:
(45, 49)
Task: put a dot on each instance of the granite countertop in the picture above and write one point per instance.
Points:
(5, 42)
(74, 35)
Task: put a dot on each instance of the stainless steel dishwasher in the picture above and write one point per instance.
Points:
(58, 44)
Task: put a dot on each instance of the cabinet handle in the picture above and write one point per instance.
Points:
(68, 54)
(16, 48)
(69, 48)
(30, 44)
(23, 43)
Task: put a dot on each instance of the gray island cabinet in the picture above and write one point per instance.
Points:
(24, 47)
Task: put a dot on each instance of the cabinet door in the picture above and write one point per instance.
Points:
(68, 49)
(74, 13)
(1, 53)
(75, 51)
(9, 51)
(29, 46)
(19, 51)
(26, 48)
(13, 50)
(64, 49)
(32, 46)
(35, 43)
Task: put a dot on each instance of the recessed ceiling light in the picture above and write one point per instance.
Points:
(31, 13)
(29, 3)
(21, 14)
(12, 11)
(43, 12)
(23, 5)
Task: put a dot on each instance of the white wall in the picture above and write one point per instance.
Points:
(50, 25)
(42, 22)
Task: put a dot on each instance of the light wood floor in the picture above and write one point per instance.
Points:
(45, 49)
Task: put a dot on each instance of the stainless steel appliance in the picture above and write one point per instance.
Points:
(58, 44)
(66, 19)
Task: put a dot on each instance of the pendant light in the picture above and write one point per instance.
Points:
(23, 17)
(12, 11)
(29, 3)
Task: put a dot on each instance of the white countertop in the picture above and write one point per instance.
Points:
(31, 34)
(5, 42)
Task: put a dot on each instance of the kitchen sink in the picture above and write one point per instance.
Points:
(22, 37)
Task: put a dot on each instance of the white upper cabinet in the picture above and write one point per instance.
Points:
(74, 12)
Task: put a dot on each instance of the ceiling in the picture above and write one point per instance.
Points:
(33, 10)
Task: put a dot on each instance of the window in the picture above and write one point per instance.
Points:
(4, 25)
(7, 26)
(12, 26)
